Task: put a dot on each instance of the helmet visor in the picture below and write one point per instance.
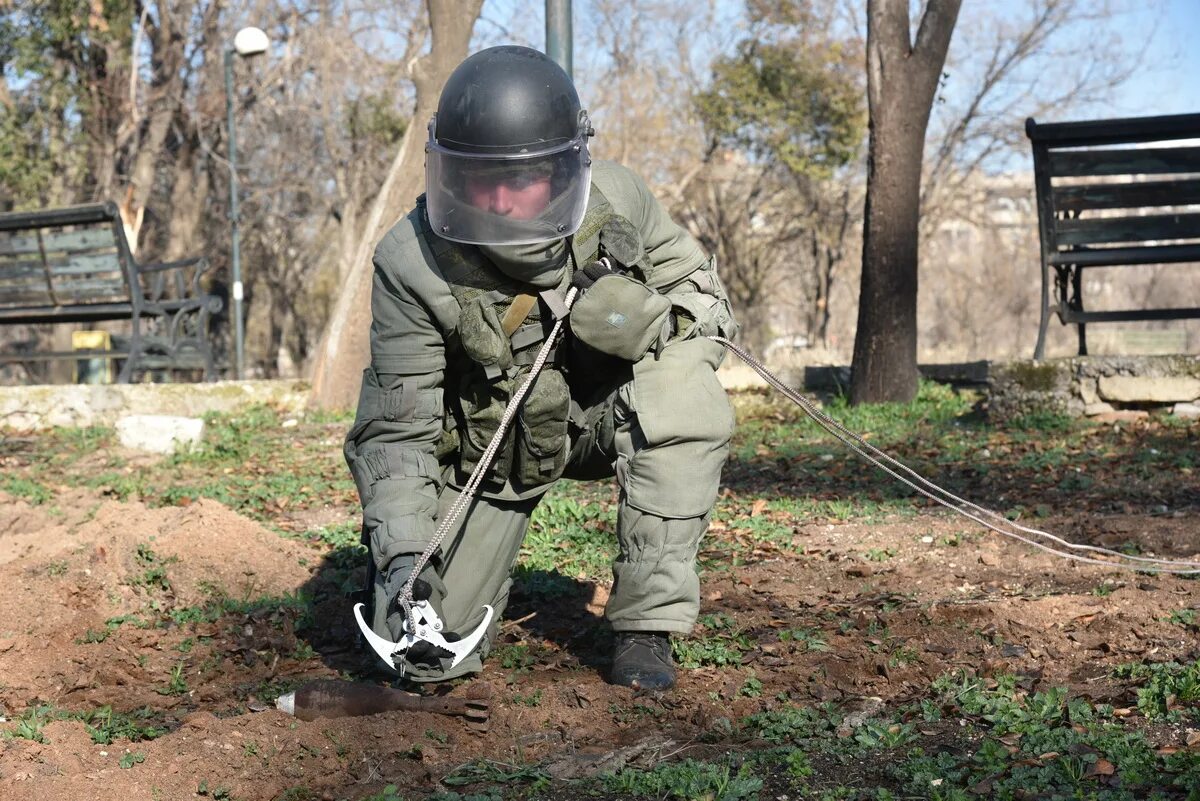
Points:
(507, 200)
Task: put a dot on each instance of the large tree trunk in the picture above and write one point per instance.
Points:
(901, 81)
(344, 351)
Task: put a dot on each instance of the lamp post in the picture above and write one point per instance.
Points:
(559, 34)
(248, 42)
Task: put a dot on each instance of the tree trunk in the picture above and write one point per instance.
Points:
(344, 351)
(901, 81)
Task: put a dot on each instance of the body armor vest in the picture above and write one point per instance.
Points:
(491, 350)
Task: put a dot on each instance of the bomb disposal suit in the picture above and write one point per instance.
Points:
(466, 287)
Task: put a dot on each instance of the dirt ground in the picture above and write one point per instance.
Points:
(187, 619)
(947, 595)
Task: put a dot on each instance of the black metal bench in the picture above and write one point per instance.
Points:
(73, 265)
(1113, 193)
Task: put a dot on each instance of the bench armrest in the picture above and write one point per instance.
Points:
(162, 266)
(157, 274)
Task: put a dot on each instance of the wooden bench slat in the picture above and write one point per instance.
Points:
(57, 241)
(1138, 194)
(1145, 161)
(1128, 316)
(24, 270)
(76, 284)
(1116, 257)
(1144, 228)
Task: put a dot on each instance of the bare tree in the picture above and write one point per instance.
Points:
(345, 347)
(902, 77)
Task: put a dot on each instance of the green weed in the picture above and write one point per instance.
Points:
(1167, 686)
(106, 726)
(32, 491)
(810, 639)
(154, 575)
(177, 684)
(686, 780)
(489, 771)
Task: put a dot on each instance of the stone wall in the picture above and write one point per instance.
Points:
(1096, 386)
(46, 406)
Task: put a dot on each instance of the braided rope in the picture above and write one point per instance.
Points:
(985, 517)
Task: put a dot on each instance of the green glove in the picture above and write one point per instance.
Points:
(621, 316)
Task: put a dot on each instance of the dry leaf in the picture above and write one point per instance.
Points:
(1103, 767)
(758, 508)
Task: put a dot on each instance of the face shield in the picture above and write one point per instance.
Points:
(510, 198)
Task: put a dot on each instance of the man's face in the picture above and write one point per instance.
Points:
(520, 195)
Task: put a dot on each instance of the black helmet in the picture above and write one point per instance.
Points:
(507, 159)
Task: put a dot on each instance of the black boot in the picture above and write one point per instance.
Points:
(642, 660)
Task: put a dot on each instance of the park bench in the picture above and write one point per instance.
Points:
(73, 265)
(1113, 193)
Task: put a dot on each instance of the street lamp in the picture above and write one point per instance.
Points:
(248, 42)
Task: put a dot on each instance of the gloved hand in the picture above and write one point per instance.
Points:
(427, 587)
(618, 315)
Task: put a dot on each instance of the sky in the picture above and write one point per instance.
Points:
(1175, 87)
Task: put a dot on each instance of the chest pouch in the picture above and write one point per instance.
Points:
(482, 404)
(483, 338)
(542, 448)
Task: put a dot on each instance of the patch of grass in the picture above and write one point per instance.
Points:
(686, 780)
(516, 658)
(154, 574)
(544, 585)
(809, 639)
(111, 625)
(486, 771)
(34, 492)
(721, 644)
(1166, 688)
(29, 725)
(177, 684)
(532, 699)
(216, 793)
(752, 687)
(106, 726)
(573, 534)
(792, 725)
(1184, 617)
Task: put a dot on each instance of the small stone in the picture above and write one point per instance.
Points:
(1087, 391)
(1188, 411)
(1144, 389)
(1098, 408)
(159, 433)
(927, 539)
